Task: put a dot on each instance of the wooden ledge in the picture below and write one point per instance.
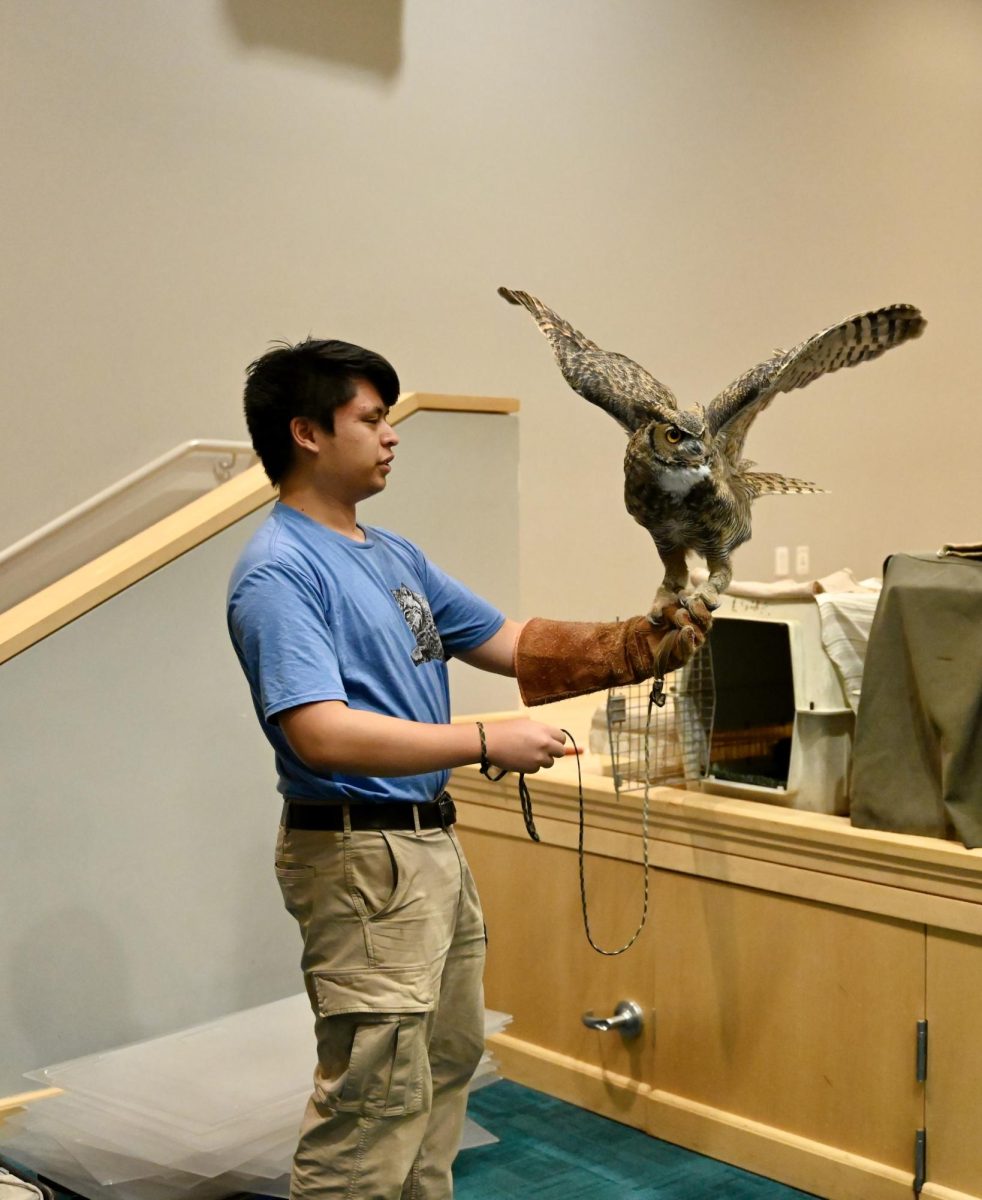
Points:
(55, 606)
(14, 1104)
(812, 855)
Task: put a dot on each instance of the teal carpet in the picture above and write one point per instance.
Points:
(549, 1150)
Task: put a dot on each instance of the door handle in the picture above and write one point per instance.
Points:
(628, 1019)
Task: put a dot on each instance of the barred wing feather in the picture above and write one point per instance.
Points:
(856, 340)
(612, 381)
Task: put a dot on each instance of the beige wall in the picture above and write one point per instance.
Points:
(693, 182)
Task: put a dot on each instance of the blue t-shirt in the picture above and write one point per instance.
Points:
(315, 616)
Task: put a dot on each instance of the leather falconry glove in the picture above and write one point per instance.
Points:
(555, 660)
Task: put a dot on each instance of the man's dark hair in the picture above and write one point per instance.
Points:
(310, 379)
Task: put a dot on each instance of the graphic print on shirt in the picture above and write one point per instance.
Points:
(416, 610)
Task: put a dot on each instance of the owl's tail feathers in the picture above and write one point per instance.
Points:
(765, 483)
(559, 331)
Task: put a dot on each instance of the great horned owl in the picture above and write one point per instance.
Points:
(684, 478)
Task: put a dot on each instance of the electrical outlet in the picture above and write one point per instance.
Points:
(802, 560)
(781, 562)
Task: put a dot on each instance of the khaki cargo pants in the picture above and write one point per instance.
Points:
(393, 961)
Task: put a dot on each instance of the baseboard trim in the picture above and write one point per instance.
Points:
(616, 1096)
(788, 1158)
(935, 1191)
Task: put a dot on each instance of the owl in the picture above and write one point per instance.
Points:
(685, 479)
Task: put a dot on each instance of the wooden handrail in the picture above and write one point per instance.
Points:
(13, 1104)
(77, 593)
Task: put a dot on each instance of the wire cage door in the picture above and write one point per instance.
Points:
(664, 743)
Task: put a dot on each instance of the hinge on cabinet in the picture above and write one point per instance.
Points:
(920, 1160)
(921, 1051)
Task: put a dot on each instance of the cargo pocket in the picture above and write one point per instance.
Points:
(386, 1075)
(379, 1020)
(394, 991)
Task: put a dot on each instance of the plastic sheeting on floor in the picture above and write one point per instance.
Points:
(202, 1113)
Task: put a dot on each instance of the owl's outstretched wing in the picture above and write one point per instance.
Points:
(847, 344)
(611, 381)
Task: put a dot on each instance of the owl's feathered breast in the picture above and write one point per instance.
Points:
(703, 509)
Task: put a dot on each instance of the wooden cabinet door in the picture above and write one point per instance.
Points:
(954, 1065)
(542, 970)
(792, 1014)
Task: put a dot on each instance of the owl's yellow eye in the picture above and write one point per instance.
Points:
(673, 436)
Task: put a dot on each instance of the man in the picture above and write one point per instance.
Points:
(343, 631)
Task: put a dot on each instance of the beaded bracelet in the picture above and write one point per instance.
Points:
(485, 765)
(485, 762)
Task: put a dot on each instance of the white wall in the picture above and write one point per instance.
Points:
(693, 183)
(138, 811)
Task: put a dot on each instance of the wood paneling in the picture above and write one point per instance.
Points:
(541, 968)
(954, 1075)
(797, 1015)
(782, 974)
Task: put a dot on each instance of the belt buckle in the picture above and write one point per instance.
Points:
(447, 810)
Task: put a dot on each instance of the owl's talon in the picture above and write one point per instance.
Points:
(665, 600)
(708, 592)
(709, 600)
(663, 613)
(699, 609)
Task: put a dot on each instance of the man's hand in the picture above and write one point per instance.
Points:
(523, 745)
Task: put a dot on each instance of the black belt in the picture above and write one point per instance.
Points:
(436, 814)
